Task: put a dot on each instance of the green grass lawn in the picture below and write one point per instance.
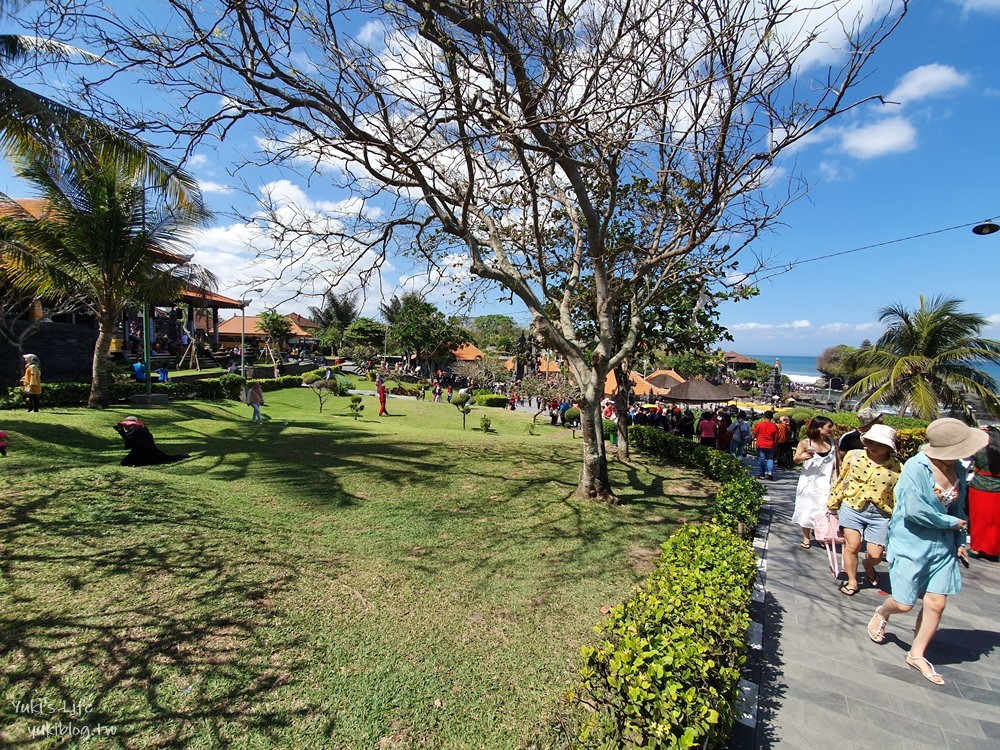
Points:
(312, 582)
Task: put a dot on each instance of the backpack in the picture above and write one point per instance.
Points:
(826, 529)
(744, 431)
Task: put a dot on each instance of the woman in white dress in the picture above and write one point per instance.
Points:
(818, 456)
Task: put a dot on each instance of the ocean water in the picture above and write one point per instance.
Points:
(802, 369)
(799, 369)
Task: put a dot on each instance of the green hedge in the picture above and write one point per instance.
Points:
(667, 667)
(487, 398)
(208, 389)
(667, 670)
(738, 502)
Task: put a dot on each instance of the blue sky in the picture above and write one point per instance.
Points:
(886, 172)
(923, 163)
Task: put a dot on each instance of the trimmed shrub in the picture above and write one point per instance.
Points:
(232, 384)
(610, 429)
(489, 399)
(209, 389)
(908, 442)
(667, 670)
(739, 500)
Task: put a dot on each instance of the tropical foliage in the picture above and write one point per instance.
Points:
(33, 125)
(105, 236)
(336, 314)
(364, 333)
(277, 327)
(926, 359)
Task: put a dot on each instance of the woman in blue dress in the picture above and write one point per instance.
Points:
(927, 536)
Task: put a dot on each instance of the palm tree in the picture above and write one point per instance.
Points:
(34, 125)
(105, 235)
(338, 312)
(927, 357)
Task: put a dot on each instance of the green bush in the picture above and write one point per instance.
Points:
(232, 385)
(610, 429)
(739, 500)
(490, 399)
(666, 672)
(211, 389)
(738, 504)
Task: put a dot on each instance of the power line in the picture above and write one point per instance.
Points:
(792, 265)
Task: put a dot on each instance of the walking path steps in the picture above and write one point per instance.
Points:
(815, 681)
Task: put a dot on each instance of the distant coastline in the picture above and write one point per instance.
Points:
(799, 369)
(802, 368)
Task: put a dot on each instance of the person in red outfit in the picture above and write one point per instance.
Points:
(984, 498)
(765, 433)
(382, 396)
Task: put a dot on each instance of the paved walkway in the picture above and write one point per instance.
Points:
(824, 684)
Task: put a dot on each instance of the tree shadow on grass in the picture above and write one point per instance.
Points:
(573, 533)
(133, 606)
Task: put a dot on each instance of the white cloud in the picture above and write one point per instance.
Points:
(892, 135)
(209, 186)
(993, 320)
(751, 326)
(797, 325)
(196, 161)
(849, 327)
(926, 81)
(984, 5)
(369, 31)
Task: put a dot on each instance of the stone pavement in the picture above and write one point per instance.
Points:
(824, 684)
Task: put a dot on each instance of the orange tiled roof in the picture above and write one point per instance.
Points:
(37, 207)
(203, 297)
(468, 353)
(234, 325)
(640, 385)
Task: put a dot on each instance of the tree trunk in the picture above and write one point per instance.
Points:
(594, 481)
(621, 410)
(100, 396)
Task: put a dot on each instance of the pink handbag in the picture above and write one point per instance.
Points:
(826, 529)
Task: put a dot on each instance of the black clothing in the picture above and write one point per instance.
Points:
(851, 441)
(142, 448)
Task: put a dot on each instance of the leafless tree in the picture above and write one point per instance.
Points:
(473, 129)
(483, 372)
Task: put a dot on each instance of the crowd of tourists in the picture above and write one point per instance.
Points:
(925, 517)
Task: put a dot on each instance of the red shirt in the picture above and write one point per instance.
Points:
(765, 432)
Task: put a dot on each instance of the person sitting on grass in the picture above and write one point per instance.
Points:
(142, 447)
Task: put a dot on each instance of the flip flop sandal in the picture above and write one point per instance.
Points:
(876, 628)
(806, 545)
(848, 590)
(873, 581)
(932, 676)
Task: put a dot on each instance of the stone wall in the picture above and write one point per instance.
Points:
(65, 349)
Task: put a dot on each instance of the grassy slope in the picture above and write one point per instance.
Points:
(321, 583)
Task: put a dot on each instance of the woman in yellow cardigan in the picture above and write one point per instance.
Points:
(32, 380)
(863, 496)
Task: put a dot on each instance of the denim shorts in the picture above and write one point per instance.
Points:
(871, 523)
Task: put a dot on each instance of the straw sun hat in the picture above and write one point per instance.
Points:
(951, 439)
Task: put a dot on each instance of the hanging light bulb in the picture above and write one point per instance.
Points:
(987, 227)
